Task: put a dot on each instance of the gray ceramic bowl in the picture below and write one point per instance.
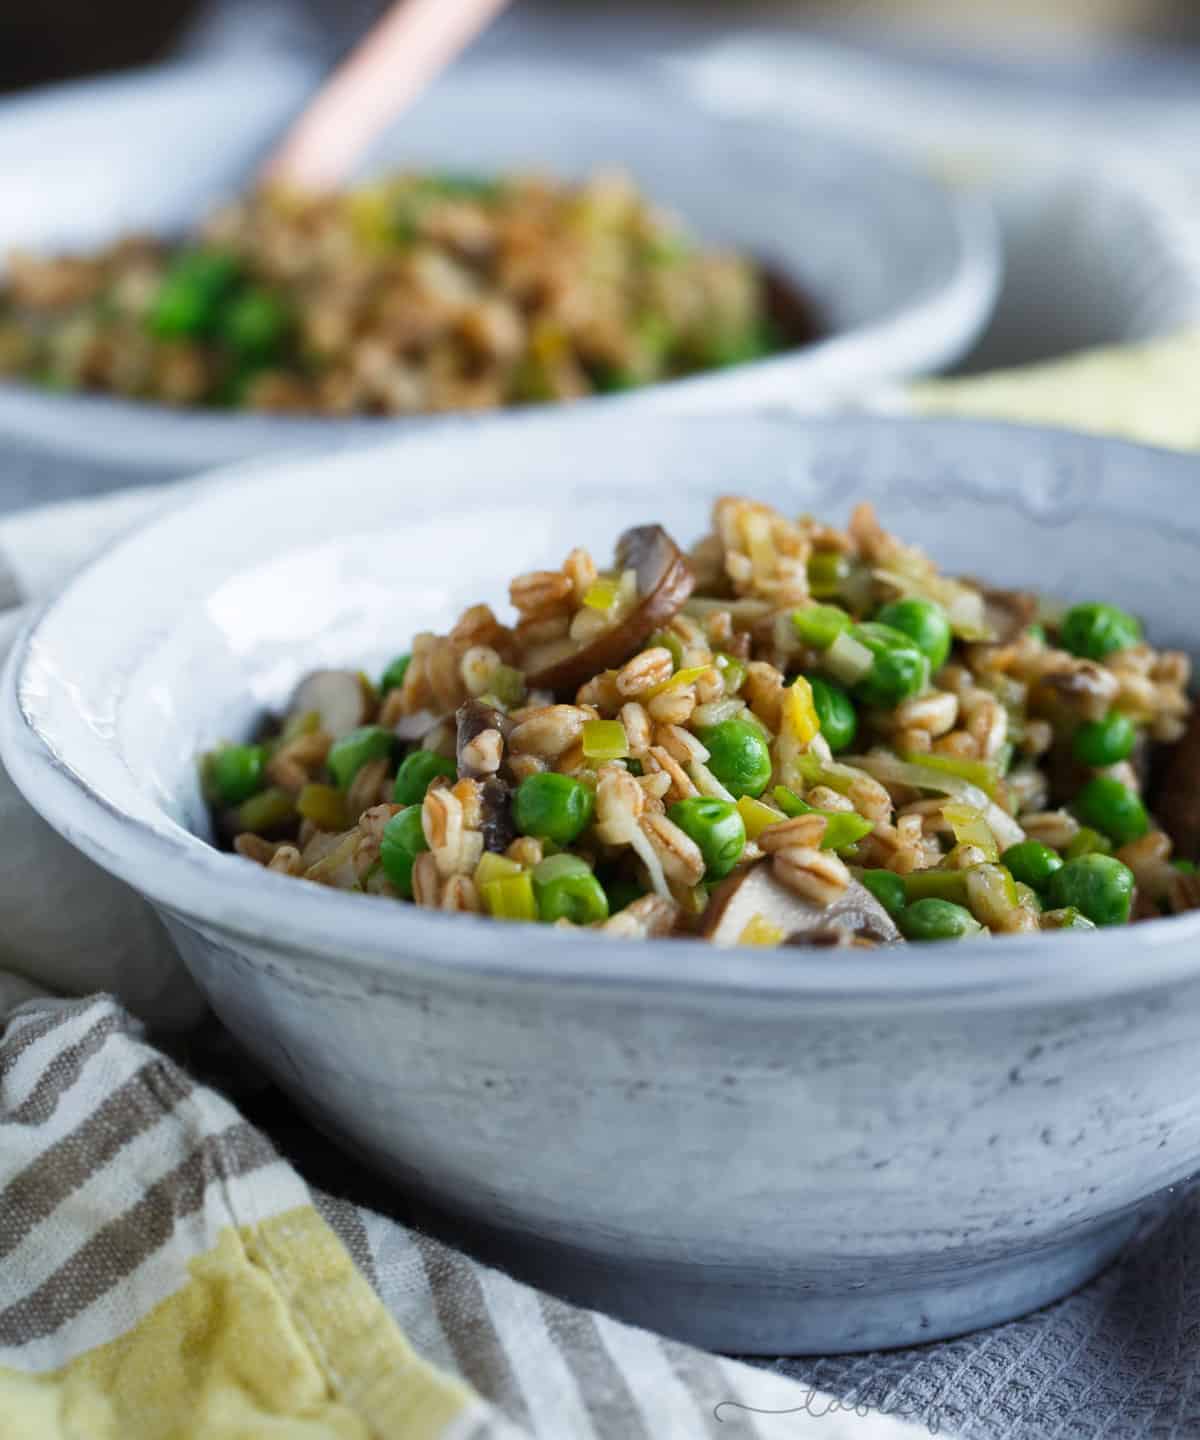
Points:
(758, 1151)
(903, 271)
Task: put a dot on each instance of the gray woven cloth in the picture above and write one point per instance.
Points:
(1119, 1360)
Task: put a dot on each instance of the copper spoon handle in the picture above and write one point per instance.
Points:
(402, 54)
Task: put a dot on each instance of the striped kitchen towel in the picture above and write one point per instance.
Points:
(164, 1275)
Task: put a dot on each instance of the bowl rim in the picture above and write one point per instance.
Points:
(184, 874)
(931, 327)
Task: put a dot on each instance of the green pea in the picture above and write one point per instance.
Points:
(190, 297)
(1097, 630)
(1036, 632)
(417, 773)
(933, 919)
(820, 625)
(738, 755)
(899, 668)
(1097, 885)
(565, 889)
(255, 324)
(1105, 742)
(1031, 863)
(925, 622)
(393, 676)
(1087, 841)
(827, 569)
(236, 772)
(351, 752)
(717, 828)
(403, 840)
(836, 712)
(1112, 808)
(887, 888)
(554, 807)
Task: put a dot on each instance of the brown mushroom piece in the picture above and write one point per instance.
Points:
(1008, 612)
(497, 825)
(664, 582)
(1081, 687)
(1175, 790)
(343, 699)
(472, 718)
(753, 890)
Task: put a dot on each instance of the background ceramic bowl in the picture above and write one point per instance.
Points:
(759, 1151)
(903, 271)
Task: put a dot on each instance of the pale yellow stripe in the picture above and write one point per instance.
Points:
(274, 1335)
(1141, 392)
(370, 1364)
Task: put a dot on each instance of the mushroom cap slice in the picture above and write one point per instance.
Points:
(753, 890)
(664, 582)
(1008, 612)
(342, 698)
(472, 718)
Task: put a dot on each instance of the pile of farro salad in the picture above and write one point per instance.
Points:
(418, 293)
(794, 734)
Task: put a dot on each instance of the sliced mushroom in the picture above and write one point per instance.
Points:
(342, 698)
(664, 582)
(499, 829)
(417, 725)
(1085, 687)
(1008, 612)
(472, 718)
(755, 891)
(1175, 793)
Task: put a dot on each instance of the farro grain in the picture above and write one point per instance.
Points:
(814, 875)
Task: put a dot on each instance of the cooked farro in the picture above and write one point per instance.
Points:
(831, 744)
(418, 293)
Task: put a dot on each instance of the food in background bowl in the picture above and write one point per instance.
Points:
(418, 293)
(795, 734)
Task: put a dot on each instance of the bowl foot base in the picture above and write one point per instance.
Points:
(812, 1311)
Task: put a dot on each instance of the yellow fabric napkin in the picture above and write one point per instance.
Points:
(1148, 392)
